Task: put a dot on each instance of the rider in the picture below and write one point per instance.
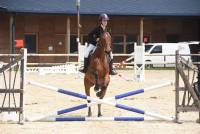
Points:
(93, 38)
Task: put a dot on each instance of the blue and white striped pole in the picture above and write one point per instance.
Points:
(139, 91)
(60, 112)
(67, 92)
(120, 96)
(132, 109)
(105, 101)
(92, 119)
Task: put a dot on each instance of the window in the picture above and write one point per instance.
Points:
(148, 47)
(73, 44)
(130, 40)
(157, 49)
(30, 42)
(118, 44)
(172, 38)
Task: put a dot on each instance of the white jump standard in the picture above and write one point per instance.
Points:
(99, 101)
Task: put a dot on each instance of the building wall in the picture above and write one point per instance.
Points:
(51, 31)
(4, 33)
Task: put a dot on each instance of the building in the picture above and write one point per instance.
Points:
(50, 26)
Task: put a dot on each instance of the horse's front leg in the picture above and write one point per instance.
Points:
(96, 87)
(103, 93)
(89, 110)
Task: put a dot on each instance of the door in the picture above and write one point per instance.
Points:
(30, 41)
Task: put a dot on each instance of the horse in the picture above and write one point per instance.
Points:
(97, 74)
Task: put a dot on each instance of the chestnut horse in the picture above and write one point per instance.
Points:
(97, 74)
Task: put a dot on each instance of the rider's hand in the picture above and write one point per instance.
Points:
(97, 40)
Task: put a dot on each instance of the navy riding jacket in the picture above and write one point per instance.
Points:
(94, 34)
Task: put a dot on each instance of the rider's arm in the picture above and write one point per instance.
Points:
(93, 36)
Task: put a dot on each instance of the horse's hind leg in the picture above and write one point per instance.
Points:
(99, 110)
(89, 110)
(87, 92)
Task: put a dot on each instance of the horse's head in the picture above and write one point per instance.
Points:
(105, 41)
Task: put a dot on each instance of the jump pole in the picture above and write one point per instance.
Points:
(53, 119)
(77, 95)
(105, 101)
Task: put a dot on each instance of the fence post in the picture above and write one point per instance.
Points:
(22, 83)
(177, 87)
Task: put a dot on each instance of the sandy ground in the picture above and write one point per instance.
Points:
(162, 101)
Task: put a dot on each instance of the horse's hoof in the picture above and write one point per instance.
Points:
(98, 94)
(96, 89)
(89, 115)
(100, 115)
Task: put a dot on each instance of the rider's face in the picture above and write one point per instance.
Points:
(104, 23)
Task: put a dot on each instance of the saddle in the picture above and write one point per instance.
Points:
(107, 56)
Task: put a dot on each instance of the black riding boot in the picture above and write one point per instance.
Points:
(112, 71)
(86, 62)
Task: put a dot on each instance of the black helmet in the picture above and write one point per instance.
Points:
(103, 17)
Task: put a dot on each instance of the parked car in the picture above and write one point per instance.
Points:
(165, 48)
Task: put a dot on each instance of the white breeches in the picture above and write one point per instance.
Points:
(88, 49)
(91, 48)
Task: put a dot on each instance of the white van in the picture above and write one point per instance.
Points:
(165, 48)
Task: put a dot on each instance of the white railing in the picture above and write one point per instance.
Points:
(115, 55)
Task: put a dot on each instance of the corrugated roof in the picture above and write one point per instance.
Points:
(111, 7)
(2, 8)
